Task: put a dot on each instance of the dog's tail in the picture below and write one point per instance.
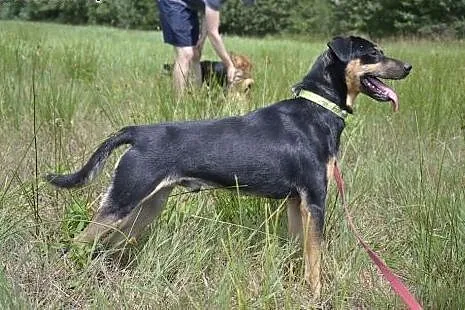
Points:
(95, 164)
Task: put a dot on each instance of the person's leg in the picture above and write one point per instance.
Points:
(181, 72)
(196, 69)
(180, 27)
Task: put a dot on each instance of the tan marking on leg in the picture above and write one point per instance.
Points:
(294, 219)
(113, 231)
(133, 224)
(100, 225)
(330, 170)
(98, 228)
(312, 250)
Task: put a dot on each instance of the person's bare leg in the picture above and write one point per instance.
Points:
(196, 70)
(182, 63)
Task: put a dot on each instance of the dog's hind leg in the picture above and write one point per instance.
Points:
(294, 219)
(102, 223)
(115, 230)
(132, 225)
(136, 196)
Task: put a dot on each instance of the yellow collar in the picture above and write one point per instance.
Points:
(325, 103)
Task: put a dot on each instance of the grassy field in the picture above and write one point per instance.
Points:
(64, 89)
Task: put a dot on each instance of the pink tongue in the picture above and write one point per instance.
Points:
(388, 92)
(393, 96)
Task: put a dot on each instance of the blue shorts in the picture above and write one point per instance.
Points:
(179, 23)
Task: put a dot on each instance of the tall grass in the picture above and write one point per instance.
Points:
(217, 249)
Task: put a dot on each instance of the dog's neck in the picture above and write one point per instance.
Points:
(326, 78)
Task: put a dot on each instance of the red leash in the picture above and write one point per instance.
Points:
(393, 279)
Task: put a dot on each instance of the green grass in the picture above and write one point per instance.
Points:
(217, 250)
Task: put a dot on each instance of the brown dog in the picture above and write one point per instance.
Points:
(215, 73)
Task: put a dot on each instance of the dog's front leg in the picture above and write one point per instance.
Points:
(312, 245)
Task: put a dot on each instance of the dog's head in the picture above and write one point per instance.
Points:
(364, 64)
(243, 80)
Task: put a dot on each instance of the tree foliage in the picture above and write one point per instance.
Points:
(406, 17)
(315, 17)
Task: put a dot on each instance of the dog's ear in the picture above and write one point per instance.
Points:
(342, 47)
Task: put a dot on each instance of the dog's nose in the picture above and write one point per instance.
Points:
(407, 67)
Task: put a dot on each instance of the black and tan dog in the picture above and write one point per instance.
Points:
(283, 151)
(215, 73)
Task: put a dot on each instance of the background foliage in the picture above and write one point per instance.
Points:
(380, 18)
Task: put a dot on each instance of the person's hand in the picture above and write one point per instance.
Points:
(231, 73)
